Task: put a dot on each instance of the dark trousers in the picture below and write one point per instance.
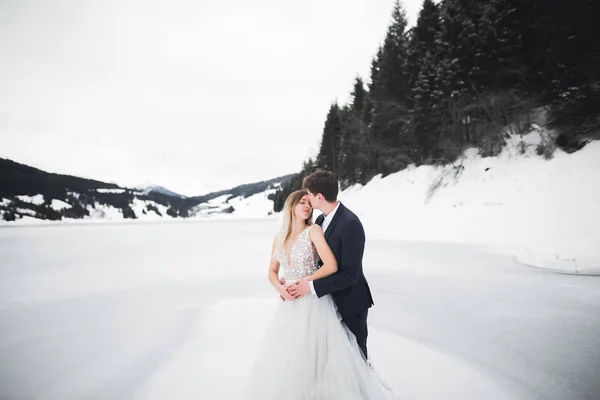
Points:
(358, 326)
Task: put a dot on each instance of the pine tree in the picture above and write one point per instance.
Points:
(458, 40)
(370, 116)
(500, 55)
(394, 60)
(329, 153)
(391, 97)
(357, 161)
(359, 96)
(392, 140)
(423, 38)
(426, 89)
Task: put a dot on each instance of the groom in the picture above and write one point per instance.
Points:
(346, 237)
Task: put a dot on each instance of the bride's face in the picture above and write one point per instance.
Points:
(303, 210)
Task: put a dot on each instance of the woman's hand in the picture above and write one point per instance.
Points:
(283, 294)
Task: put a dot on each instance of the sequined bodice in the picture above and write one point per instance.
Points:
(302, 261)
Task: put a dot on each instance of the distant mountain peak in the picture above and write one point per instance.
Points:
(159, 189)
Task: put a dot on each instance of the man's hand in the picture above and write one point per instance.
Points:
(299, 289)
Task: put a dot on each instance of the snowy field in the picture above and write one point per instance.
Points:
(177, 310)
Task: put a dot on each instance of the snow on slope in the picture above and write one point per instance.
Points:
(546, 212)
(37, 199)
(257, 205)
(59, 204)
(110, 190)
(104, 212)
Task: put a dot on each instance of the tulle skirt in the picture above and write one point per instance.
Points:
(309, 354)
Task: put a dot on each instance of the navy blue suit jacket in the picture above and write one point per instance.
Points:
(348, 286)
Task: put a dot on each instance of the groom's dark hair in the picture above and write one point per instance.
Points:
(323, 182)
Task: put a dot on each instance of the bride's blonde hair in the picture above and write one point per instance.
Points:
(288, 217)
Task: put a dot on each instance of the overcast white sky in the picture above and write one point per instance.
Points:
(194, 95)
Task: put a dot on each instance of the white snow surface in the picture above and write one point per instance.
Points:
(178, 310)
(544, 212)
(116, 191)
(104, 212)
(139, 206)
(37, 199)
(26, 211)
(257, 205)
(59, 204)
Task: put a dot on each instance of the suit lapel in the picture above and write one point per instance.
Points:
(334, 221)
(320, 220)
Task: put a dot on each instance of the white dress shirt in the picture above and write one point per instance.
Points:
(326, 222)
(329, 217)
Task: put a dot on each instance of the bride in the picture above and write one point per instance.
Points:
(308, 353)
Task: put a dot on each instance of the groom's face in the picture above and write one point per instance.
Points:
(315, 200)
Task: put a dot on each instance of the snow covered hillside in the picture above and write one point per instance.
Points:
(32, 196)
(545, 211)
(256, 205)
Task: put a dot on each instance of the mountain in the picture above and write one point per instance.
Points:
(28, 194)
(159, 189)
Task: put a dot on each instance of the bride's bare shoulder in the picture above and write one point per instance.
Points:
(315, 230)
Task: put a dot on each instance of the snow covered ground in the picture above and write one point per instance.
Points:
(177, 310)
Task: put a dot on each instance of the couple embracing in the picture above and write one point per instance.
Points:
(316, 346)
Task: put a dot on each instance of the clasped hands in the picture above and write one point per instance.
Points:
(294, 291)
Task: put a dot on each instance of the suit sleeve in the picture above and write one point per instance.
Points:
(353, 247)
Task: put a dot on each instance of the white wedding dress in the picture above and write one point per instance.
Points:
(308, 353)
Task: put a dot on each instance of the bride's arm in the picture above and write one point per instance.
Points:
(274, 274)
(329, 266)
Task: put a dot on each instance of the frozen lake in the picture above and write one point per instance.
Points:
(177, 310)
